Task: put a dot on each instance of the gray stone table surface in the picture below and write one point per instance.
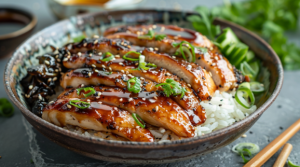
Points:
(20, 142)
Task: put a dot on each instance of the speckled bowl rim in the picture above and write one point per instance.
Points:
(130, 144)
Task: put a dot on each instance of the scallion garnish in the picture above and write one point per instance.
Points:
(247, 149)
(247, 70)
(172, 87)
(92, 91)
(160, 37)
(136, 88)
(79, 104)
(256, 87)
(131, 59)
(6, 108)
(291, 164)
(244, 97)
(143, 65)
(78, 38)
(184, 49)
(138, 120)
(110, 56)
(149, 35)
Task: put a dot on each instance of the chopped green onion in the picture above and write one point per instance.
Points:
(78, 38)
(160, 37)
(256, 87)
(184, 49)
(251, 147)
(139, 120)
(172, 87)
(291, 164)
(136, 88)
(143, 65)
(243, 95)
(6, 108)
(242, 155)
(80, 104)
(149, 35)
(131, 59)
(247, 70)
(202, 49)
(245, 84)
(92, 91)
(111, 56)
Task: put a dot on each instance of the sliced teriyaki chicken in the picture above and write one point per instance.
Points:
(154, 109)
(224, 74)
(86, 76)
(98, 117)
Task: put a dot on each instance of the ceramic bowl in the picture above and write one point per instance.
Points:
(133, 152)
(8, 42)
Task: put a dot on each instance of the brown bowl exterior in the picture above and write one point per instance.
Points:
(135, 152)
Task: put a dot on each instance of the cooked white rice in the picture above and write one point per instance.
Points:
(221, 112)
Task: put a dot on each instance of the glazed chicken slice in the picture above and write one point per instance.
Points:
(98, 117)
(86, 76)
(199, 80)
(224, 74)
(154, 109)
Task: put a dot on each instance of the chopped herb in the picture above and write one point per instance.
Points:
(136, 88)
(78, 38)
(172, 87)
(107, 56)
(138, 120)
(131, 59)
(143, 65)
(92, 91)
(79, 104)
(160, 37)
(150, 35)
(6, 108)
(291, 164)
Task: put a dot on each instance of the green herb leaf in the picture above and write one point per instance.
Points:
(107, 56)
(136, 88)
(160, 37)
(78, 38)
(172, 87)
(138, 120)
(79, 104)
(291, 164)
(6, 108)
(131, 59)
(92, 91)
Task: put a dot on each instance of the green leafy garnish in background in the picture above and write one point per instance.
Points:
(78, 38)
(270, 19)
(6, 108)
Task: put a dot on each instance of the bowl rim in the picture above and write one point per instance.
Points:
(130, 144)
(28, 26)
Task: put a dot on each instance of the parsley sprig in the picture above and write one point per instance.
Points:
(172, 87)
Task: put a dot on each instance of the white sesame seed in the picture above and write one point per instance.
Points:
(100, 53)
(156, 49)
(51, 102)
(117, 56)
(136, 64)
(122, 71)
(96, 36)
(189, 85)
(174, 57)
(99, 102)
(47, 62)
(168, 74)
(103, 65)
(189, 67)
(210, 74)
(156, 108)
(79, 54)
(99, 93)
(26, 95)
(130, 99)
(58, 60)
(121, 63)
(90, 54)
(143, 98)
(151, 49)
(30, 87)
(109, 68)
(144, 71)
(88, 100)
(59, 69)
(96, 70)
(82, 85)
(162, 130)
(162, 29)
(121, 99)
(97, 97)
(55, 78)
(142, 78)
(40, 97)
(49, 80)
(69, 106)
(155, 97)
(90, 74)
(56, 70)
(244, 135)
(137, 127)
(127, 72)
(213, 64)
(93, 65)
(84, 44)
(112, 59)
(154, 26)
(68, 56)
(96, 41)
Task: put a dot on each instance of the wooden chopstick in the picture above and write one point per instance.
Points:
(274, 146)
(283, 156)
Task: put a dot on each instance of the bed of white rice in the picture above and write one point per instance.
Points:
(221, 112)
